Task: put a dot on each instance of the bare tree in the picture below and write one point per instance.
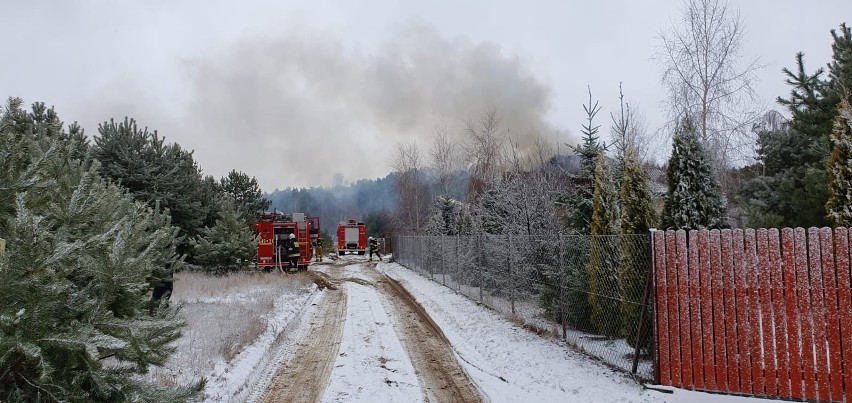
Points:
(707, 79)
(529, 190)
(412, 205)
(540, 152)
(484, 150)
(443, 157)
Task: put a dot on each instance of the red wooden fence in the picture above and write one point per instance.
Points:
(755, 312)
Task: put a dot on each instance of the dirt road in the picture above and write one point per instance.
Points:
(303, 378)
(442, 378)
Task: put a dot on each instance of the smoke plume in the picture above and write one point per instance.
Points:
(295, 111)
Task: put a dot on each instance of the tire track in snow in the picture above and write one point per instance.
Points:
(305, 376)
(442, 377)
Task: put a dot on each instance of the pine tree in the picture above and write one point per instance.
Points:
(603, 265)
(74, 279)
(579, 199)
(491, 212)
(436, 224)
(794, 190)
(245, 194)
(229, 245)
(634, 247)
(578, 202)
(839, 205)
(156, 173)
(694, 200)
(840, 68)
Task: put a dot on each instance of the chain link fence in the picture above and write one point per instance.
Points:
(590, 291)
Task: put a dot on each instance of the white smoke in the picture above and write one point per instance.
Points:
(295, 111)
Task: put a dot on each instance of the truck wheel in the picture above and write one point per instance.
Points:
(341, 253)
(360, 252)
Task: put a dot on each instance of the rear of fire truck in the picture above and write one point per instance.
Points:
(272, 230)
(351, 237)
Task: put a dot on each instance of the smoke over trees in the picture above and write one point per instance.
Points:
(337, 105)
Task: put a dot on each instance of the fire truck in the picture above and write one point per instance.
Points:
(351, 237)
(273, 228)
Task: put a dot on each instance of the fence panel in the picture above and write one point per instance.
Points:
(779, 317)
(750, 312)
(791, 268)
(661, 288)
(806, 318)
(674, 314)
(763, 284)
(717, 285)
(844, 291)
(832, 319)
(758, 382)
(694, 298)
(705, 290)
(742, 307)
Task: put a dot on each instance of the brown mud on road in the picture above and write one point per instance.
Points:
(304, 377)
(441, 376)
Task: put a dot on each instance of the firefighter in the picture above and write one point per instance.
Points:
(293, 252)
(163, 285)
(318, 248)
(373, 245)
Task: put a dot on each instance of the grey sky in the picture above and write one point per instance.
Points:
(292, 92)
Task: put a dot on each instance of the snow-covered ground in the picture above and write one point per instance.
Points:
(534, 368)
(507, 362)
(371, 363)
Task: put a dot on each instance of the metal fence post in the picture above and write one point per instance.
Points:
(510, 274)
(443, 261)
(458, 267)
(479, 266)
(429, 254)
(562, 279)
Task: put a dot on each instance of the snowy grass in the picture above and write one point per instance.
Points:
(225, 315)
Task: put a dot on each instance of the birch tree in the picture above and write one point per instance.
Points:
(442, 158)
(412, 208)
(483, 150)
(708, 78)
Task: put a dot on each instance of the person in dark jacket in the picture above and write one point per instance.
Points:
(373, 245)
(292, 247)
(163, 282)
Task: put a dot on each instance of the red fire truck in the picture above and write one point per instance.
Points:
(273, 228)
(351, 237)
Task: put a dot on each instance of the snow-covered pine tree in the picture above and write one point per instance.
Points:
(694, 200)
(440, 221)
(74, 278)
(229, 245)
(603, 264)
(839, 205)
(634, 246)
(490, 212)
(448, 217)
